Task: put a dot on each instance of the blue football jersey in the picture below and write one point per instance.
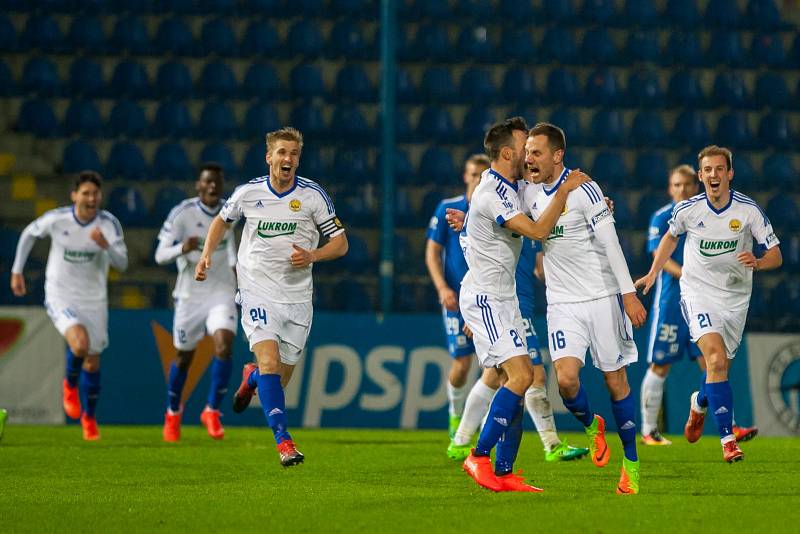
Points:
(670, 290)
(455, 266)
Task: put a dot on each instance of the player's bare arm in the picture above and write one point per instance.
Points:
(336, 247)
(216, 231)
(665, 249)
(772, 259)
(433, 261)
(672, 267)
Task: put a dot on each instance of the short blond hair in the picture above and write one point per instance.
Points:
(480, 160)
(286, 133)
(684, 169)
(714, 150)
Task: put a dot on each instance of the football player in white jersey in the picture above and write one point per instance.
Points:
(488, 301)
(200, 308)
(716, 282)
(285, 215)
(590, 297)
(84, 241)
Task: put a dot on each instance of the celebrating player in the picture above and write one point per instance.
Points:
(284, 217)
(84, 240)
(590, 296)
(716, 282)
(199, 307)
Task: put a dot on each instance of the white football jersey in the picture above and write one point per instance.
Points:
(191, 218)
(491, 251)
(575, 264)
(77, 267)
(273, 223)
(713, 240)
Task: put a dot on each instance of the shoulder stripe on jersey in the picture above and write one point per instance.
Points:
(680, 206)
(110, 217)
(591, 193)
(186, 203)
(257, 180)
(306, 183)
(750, 202)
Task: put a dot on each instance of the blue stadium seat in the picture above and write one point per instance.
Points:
(725, 47)
(254, 162)
(174, 36)
(794, 54)
(745, 173)
(357, 259)
(520, 11)
(723, 14)
(609, 170)
(774, 131)
(262, 7)
(305, 81)
(648, 130)
(783, 212)
(308, 119)
(403, 131)
(130, 35)
(305, 39)
(82, 118)
(730, 90)
(785, 302)
(558, 44)
(219, 153)
(37, 117)
(352, 83)
(561, 11)
(130, 79)
(642, 45)
(641, 12)
(171, 163)
(7, 85)
(408, 263)
(624, 218)
(437, 162)
(346, 41)
(313, 163)
(733, 131)
(519, 86)
(40, 77)
(517, 44)
(691, 129)
(685, 90)
(127, 204)
(172, 120)
(598, 47)
(763, 14)
(602, 88)
(781, 172)
(8, 35)
(354, 8)
(406, 90)
(260, 39)
(223, 7)
(433, 9)
(404, 171)
(432, 42)
(351, 124)
(125, 160)
(435, 124)
(217, 38)
(607, 128)
(405, 215)
(42, 33)
(79, 156)
(355, 210)
(217, 121)
(644, 89)
(437, 85)
(86, 33)
(261, 81)
(477, 121)
(767, 49)
(351, 166)
(167, 198)
(562, 87)
(790, 250)
(173, 80)
(682, 13)
(771, 91)
(86, 78)
(476, 86)
(567, 119)
(648, 204)
(650, 170)
(352, 296)
(217, 79)
(261, 118)
(127, 118)
(598, 11)
(474, 44)
(683, 49)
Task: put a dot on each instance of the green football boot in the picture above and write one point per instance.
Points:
(563, 452)
(455, 420)
(629, 478)
(458, 453)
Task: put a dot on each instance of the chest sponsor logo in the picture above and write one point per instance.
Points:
(718, 247)
(78, 256)
(735, 225)
(556, 232)
(270, 229)
(295, 205)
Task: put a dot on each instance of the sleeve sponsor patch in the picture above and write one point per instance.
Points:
(604, 214)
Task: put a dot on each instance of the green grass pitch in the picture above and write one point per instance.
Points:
(375, 481)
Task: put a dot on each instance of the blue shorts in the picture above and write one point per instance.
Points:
(531, 339)
(669, 336)
(458, 344)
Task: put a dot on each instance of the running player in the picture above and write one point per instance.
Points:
(285, 215)
(199, 307)
(716, 282)
(84, 240)
(590, 296)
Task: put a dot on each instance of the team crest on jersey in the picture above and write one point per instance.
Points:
(735, 225)
(294, 205)
(270, 229)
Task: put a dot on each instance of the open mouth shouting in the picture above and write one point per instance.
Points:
(713, 185)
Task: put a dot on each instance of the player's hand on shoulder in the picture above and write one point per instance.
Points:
(634, 309)
(301, 257)
(454, 218)
(448, 299)
(200, 269)
(748, 259)
(190, 244)
(575, 179)
(18, 285)
(98, 237)
(609, 203)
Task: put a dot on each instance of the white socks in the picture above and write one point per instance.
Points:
(456, 397)
(652, 395)
(538, 406)
(475, 409)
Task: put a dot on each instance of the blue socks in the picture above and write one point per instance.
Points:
(90, 390)
(220, 376)
(177, 379)
(273, 402)
(73, 368)
(624, 415)
(720, 400)
(702, 393)
(508, 446)
(252, 380)
(579, 406)
(501, 415)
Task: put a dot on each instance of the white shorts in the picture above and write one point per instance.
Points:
(288, 324)
(194, 318)
(599, 325)
(498, 331)
(94, 318)
(703, 317)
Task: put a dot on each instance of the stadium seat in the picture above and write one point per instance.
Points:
(352, 296)
(608, 128)
(312, 164)
(171, 163)
(8, 35)
(602, 88)
(223, 7)
(407, 261)
(730, 90)
(794, 54)
(685, 90)
(562, 87)
(263, 7)
(683, 48)
(260, 39)
(79, 156)
(130, 35)
(404, 171)
(351, 125)
(642, 45)
(519, 86)
(763, 14)
(432, 42)
(305, 39)
(352, 83)
(37, 117)
(217, 121)
(175, 37)
(599, 12)
(7, 85)
(437, 162)
(217, 38)
(561, 11)
(650, 170)
(435, 124)
(127, 204)
(559, 46)
(790, 250)
(691, 129)
(42, 33)
(649, 203)
(86, 34)
(477, 121)
(351, 166)
(725, 47)
(127, 118)
(641, 12)
(781, 173)
(357, 259)
(406, 90)
(567, 120)
(609, 170)
(173, 80)
(125, 160)
(745, 173)
(82, 118)
(219, 153)
(644, 89)
(40, 77)
(767, 49)
(217, 79)
(437, 85)
(130, 79)
(520, 11)
(476, 86)
(261, 81)
(774, 131)
(433, 9)
(517, 44)
(305, 81)
(354, 8)
(682, 13)
(772, 92)
(254, 163)
(623, 216)
(723, 14)
(597, 47)
(733, 131)
(346, 41)
(648, 130)
(260, 119)
(404, 214)
(355, 210)
(783, 212)
(403, 131)
(86, 79)
(308, 119)
(474, 44)
(172, 120)
(167, 198)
